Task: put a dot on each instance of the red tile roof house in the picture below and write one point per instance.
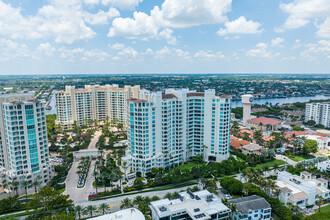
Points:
(265, 124)
(237, 144)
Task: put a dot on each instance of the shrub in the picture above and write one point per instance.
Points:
(232, 185)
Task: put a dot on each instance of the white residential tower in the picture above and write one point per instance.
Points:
(166, 129)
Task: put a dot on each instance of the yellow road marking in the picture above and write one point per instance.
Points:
(112, 205)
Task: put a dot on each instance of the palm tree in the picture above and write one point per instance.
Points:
(15, 185)
(5, 186)
(233, 208)
(120, 178)
(126, 203)
(103, 207)
(112, 176)
(319, 202)
(125, 166)
(36, 184)
(95, 174)
(25, 184)
(104, 176)
(78, 209)
(265, 169)
(90, 209)
(246, 136)
(245, 190)
(155, 198)
(276, 167)
(225, 201)
(167, 196)
(137, 200)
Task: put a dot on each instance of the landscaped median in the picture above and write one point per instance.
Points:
(166, 187)
(16, 215)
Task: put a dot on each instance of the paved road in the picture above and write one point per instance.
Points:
(114, 203)
(81, 194)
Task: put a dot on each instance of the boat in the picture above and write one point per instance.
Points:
(49, 107)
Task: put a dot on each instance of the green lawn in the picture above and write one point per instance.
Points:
(324, 209)
(269, 164)
(323, 215)
(301, 157)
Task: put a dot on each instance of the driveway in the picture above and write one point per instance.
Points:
(81, 194)
(92, 144)
(285, 158)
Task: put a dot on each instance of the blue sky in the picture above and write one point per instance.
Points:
(168, 36)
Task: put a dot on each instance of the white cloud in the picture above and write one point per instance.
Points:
(63, 21)
(259, 51)
(95, 54)
(128, 52)
(208, 55)
(324, 29)
(148, 52)
(10, 50)
(296, 45)
(91, 2)
(172, 14)
(167, 34)
(117, 46)
(141, 26)
(101, 17)
(173, 54)
(123, 4)
(317, 51)
(46, 49)
(302, 12)
(187, 13)
(240, 26)
(124, 51)
(277, 42)
(70, 54)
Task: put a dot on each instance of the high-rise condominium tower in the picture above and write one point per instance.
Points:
(93, 102)
(318, 112)
(24, 143)
(166, 129)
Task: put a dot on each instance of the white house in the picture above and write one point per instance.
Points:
(301, 190)
(324, 166)
(201, 205)
(126, 214)
(252, 208)
(322, 142)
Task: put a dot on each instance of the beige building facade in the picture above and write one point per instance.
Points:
(93, 102)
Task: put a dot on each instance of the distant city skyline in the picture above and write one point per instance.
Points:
(164, 36)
